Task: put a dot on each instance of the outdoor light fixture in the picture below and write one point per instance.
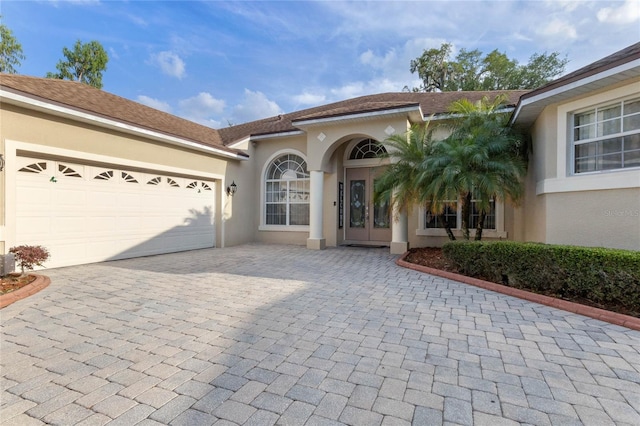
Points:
(1, 162)
(231, 189)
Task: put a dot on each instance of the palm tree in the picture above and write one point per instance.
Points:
(400, 182)
(481, 158)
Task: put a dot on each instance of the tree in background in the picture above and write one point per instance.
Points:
(10, 51)
(85, 63)
(470, 70)
(482, 158)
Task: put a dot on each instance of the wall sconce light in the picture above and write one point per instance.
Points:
(1, 162)
(231, 189)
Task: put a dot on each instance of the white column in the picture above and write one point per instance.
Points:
(316, 233)
(399, 232)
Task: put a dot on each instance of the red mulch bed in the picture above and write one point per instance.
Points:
(431, 257)
(13, 282)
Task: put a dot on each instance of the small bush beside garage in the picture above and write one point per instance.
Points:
(606, 278)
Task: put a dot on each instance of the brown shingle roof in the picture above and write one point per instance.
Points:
(430, 103)
(82, 97)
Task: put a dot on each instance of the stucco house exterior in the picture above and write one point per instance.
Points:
(94, 177)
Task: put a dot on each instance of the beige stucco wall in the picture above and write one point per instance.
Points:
(609, 218)
(36, 131)
(3, 199)
(332, 224)
(532, 214)
(335, 134)
(239, 212)
(26, 126)
(544, 134)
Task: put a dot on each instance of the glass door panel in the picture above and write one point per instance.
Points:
(357, 204)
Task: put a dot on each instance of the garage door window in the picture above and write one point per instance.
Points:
(34, 168)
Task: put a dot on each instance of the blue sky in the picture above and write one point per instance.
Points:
(230, 62)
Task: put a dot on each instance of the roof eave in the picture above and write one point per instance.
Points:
(449, 116)
(37, 104)
(414, 111)
(285, 134)
(531, 104)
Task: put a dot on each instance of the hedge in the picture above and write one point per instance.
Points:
(605, 277)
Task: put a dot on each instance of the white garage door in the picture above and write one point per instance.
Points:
(85, 214)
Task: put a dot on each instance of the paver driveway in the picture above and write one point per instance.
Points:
(264, 334)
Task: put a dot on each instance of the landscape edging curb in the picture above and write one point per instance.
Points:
(38, 284)
(577, 308)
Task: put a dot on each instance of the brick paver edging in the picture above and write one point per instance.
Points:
(588, 311)
(40, 282)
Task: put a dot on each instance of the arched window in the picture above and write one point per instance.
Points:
(367, 148)
(287, 191)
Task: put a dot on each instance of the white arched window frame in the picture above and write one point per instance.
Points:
(365, 160)
(285, 192)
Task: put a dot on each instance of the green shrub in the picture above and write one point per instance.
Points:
(605, 277)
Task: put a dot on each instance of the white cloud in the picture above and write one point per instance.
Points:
(562, 5)
(558, 29)
(350, 90)
(627, 13)
(136, 20)
(202, 109)
(519, 36)
(76, 2)
(154, 103)
(114, 54)
(380, 62)
(202, 105)
(254, 106)
(390, 72)
(170, 63)
(383, 85)
(306, 98)
(360, 88)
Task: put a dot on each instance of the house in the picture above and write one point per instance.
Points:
(93, 176)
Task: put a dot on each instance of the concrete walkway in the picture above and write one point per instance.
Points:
(265, 334)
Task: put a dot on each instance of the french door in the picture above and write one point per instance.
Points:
(366, 220)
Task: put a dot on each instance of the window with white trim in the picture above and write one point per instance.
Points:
(367, 148)
(453, 216)
(287, 191)
(607, 137)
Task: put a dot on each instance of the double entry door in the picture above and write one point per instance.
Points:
(366, 220)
